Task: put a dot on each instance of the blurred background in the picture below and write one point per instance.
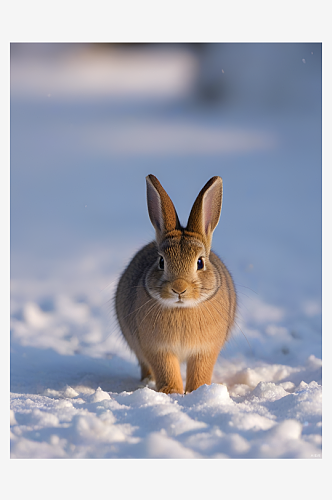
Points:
(90, 121)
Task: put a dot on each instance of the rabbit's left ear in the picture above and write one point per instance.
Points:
(161, 209)
(205, 213)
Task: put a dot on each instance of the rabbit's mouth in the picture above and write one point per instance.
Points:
(180, 303)
(180, 299)
(177, 294)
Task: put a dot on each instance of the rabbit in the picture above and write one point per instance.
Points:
(176, 300)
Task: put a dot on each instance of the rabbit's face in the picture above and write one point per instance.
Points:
(182, 275)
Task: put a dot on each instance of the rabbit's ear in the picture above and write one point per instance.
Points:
(161, 209)
(205, 213)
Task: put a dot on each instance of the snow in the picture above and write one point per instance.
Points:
(78, 213)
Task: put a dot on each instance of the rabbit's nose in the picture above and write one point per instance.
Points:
(179, 286)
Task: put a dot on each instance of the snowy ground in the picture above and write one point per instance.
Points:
(85, 131)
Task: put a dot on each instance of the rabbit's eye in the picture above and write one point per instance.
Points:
(161, 263)
(200, 263)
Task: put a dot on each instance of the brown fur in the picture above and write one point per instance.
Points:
(179, 313)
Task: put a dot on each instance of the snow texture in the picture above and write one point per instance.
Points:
(86, 128)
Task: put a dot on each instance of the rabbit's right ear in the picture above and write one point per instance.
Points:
(161, 209)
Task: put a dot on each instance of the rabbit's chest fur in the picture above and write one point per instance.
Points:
(182, 331)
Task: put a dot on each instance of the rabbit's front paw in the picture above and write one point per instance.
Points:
(171, 389)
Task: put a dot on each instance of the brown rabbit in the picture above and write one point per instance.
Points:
(176, 300)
